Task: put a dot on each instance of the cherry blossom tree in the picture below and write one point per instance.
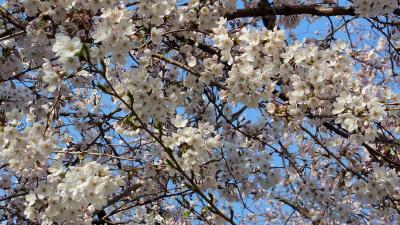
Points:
(199, 112)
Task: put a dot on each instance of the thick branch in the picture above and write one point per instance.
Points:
(285, 10)
(8, 17)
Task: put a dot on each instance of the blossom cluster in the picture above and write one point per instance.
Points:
(382, 183)
(248, 82)
(71, 196)
(113, 31)
(194, 145)
(66, 49)
(26, 151)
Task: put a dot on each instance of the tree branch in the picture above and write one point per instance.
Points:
(315, 10)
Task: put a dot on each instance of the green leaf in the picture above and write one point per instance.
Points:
(186, 214)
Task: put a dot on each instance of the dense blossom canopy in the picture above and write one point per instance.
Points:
(199, 112)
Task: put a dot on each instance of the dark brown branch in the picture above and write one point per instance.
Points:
(314, 10)
(303, 211)
(124, 194)
(8, 17)
(371, 150)
(13, 196)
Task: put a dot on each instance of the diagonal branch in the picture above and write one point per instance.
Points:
(9, 18)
